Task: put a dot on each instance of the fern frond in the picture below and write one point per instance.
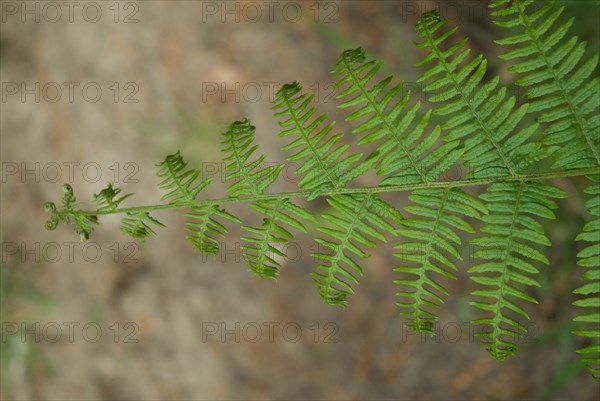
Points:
(205, 228)
(262, 251)
(588, 320)
(405, 152)
(488, 124)
(361, 219)
(138, 225)
(510, 251)
(107, 199)
(68, 214)
(483, 127)
(562, 89)
(477, 113)
(324, 165)
(183, 187)
(251, 178)
(432, 250)
(247, 177)
(181, 182)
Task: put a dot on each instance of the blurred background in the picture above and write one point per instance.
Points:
(94, 92)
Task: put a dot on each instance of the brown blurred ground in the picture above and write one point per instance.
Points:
(168, 57)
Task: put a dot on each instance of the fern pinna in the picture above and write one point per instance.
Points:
(489, 125)
(469, 120)
(406, 157)
(252, 178)
(358, 218)
(564, 95)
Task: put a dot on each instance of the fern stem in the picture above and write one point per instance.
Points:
(342, 191)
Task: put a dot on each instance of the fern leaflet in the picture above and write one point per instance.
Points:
(67, 214)
(183, 186)
(360, 220)
(326, 166)
(488, 124)
(386, 118)
(406, 156)
(478, 114)
(509, 250)
(438, 214)
(565, 96)
(324, 163)
(138, 225)
(251, 177)
(107, 198)
(588, 322)
(560, 87)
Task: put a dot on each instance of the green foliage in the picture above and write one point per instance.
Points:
(68, 214)
(184, 187)
(324, 163)
(477, 114)
(561, 90)
(487, 123)
(407, 155)
(589, 319)
(431, 246)
(510, 146)
(252, 178)
(138, 224)
(107, 199)
(510, 251)
(359, 220)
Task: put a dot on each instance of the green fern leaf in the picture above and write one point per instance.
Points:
(247, 177)
(324, 165)
(181, 182)
(183, 187)
(205, 228)
(137, 225)
(361, 219)
(483, 128)
(432, 250)
(68, 214)
(387, 118)
(251, 178)
(562, 90)
(107, 199)
(488, 124)
(479, 114)
(510, 251)
(406, 155)
(564, 95)
(588, 320)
